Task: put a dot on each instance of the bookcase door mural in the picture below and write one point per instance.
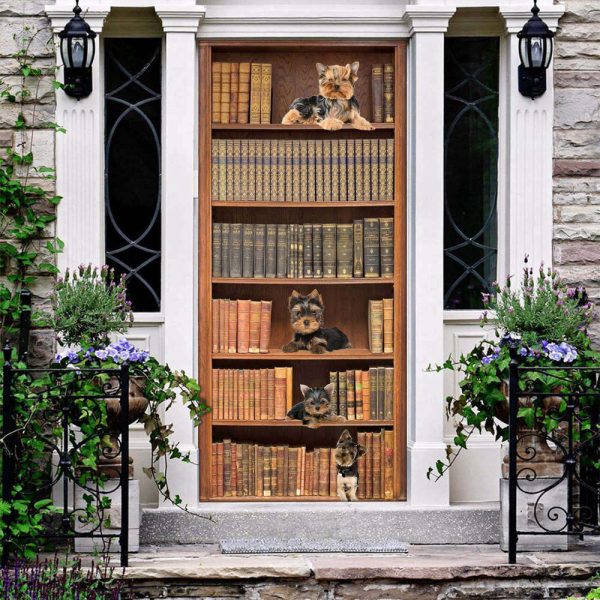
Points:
(302, 271)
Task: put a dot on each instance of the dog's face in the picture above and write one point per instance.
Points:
(347, 450)
(337, 82)
(317, 401)
(306, 312)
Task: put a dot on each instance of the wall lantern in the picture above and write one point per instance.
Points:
(535, 51)
(77, 49)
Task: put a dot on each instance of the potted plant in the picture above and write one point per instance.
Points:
(545, 323)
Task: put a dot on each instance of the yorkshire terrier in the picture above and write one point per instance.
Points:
(307, 318)
(315, 409)
(335, 104)
(347, 452)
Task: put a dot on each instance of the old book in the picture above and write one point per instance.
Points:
(225, 91)
(381, 193)
(342, 394)
(317, 250)
(259, 484)
(235, 250)
(252, 470)
(271, 251)
(350, 171)
(221, 412)
(282, 249)
(366, 396)
(371, 247)
(214, 393)
(216, 92)
(350, 396)
(281, 471)
(335, 169)
(260, 147)
(388, 404)
(308, 475)
(367, 167)
(267, 471)
(358, 270)
(334, 400)
(289, 397)
(288, 146)
(296, 172)
(280, 392)
(265, 93)
(229, 171)
(362, 476)
(223, 326)
(388, 93)
(375, 324)
(319, 172)
(369, 465)
(245, 470)
(234, 90)
(251, 176)
(308, 250)
(373, 393)
(358, 171)
(358, 391)
(225, 246)
(237, 169)
(222, 168)
(248, 250)
(274, 472)
(292, 471)
(386, 246)
(327, 172)
(389, 170)
(388, 465)
(265, 325)
(300, 265)
(380, 392)
(388, 325)
(374, 169)
(214, 169)
(257, 394)
(376, 465)
(377, 93)
(244, 171)
(220, 482)
(243, 104)
(264, 394)
(342, 171)
(292, 244)
(243, 326)
(271, 394)
(227, 491)
(303, 147)
(255, 87)
(332, 474)
(246, 388)
(344, 250)
(280, 171)
(259, 250)
(254, 344)
(311, 168)
(323, 471)
(329, 250)
(216, 249)
(215, 325)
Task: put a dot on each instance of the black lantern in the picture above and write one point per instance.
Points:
(535, 51)
(77, 49)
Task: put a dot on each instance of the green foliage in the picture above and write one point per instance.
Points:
(89, 305)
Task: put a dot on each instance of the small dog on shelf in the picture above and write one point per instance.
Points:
(307, 318)
(335, 104)
(347, 452)
(315, 409)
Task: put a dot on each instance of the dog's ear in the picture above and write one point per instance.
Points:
(329, 389)
(345, 437)
(304, 389)
(321, 68)
(354, 69)
(361, 450)
(293, 297)
(314, 295)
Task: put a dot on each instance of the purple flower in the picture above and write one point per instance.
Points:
(101, 354)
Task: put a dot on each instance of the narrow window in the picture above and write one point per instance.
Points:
(470, 170)
(132, 166)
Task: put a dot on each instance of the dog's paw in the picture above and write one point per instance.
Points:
(338, 418)
(318, 349)
(331, 124)
(291, 347)
(291, 117)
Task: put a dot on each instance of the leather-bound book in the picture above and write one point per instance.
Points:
(282, 249)
(304, 167)
(245, 395)
(345, 250)
(292, 471)
(222, 166)
(375, 324)
(299, 471)
(223, 326)
(366, 395)
(254, 394)
(351, 171)
(280, 392)
(244, 171)
(300, 261)
(214, 393)
(233, 327)
(386, 246)
(265, 93)
(221, 390)
(252, 470)
(350, 396)
(327, 171)
(389, 170)
(335, 170)
(260, 474)
(216, 92)
(388, 325)
(388, 93)
(255, 83)
(282, 467)
(214, 169)
(377, 93)
(265, 325)
(371, 247)
(216, 249)
(380, 392)
(233, 394)
(388, 465)
(362, 464)
(358, 270)
(227, 468)
(381, 193)
(248, 250)
(288, 147)
(271, 251)
(225, 247)
(367, 168)
(281, 171)
(270, 160)
(297, 192)
(243, 326)
(237, 170)
(308, 470)
(245, 469)
(263, 408)
(243, 104)
(225, 91)
(235, 250)
(315, 472)
(359, 183)
(323, 471)
(319, 171)
(251, 183)
(259, 250)
(376, 465)
(236, 468)
(260, 147)
(289, 396)
(342, 171)
(220, 481)
(329, 250)
(388, 404)
(332, 474)
(215, 325)
(311, 168)
(271, 394)
(358, 395)
(267, 471)
(307, 247)
(374, 169)
(229, 171)
(369, 465)
(234, 91)
(255, 310)
(333, 397)
(317, 250)
(274, 472)
(291, 254)
(342, 394)
(373, 393)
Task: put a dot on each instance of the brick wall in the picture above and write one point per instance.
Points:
(577, 148)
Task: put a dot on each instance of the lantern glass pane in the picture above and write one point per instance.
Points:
(523, 52)
(77, 51)
(537, 52)
(548, 57)
(64, 52)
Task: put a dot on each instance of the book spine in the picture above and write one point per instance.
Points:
(311, 156)
(350, 395)
(244, 171)
(342, 171)
(254, 339)
(271, 394)
(225, 91)
(292, 471)
(222, 380)
(237, 169)
(235, 250)
(335, 169)
(374, 169)
(366, 395)
(388, 465)
(381, 193)
(243, 104)
(375, 324)
(291, 253)
(371, 247)
(317, 250)
(373, 393)
(259, 151)
(351, 171)
(274, 472)
(266, 471)
(229, 170)
(369, 466)
(234, 91)
(380, 392)
(255, 85)
(251, 183)
(388, 325)
(386, 246)
(265, 325)
(216, 92)
(332, 474)
(327, 196)
(215, 325)
(223, 325)
(389, 170)
(308, 250)
(265, 93)
(296, 172)
(367, 167)
(304, 166)
(264, 394)
(225, 249)
(216, 249)
(214, 393)
(214, 170)
(289, 396)
(388, 404)
(271, 251)
(344, 250)
(282, 249)
(259, 250)
(319, 171)
(376, 465)
(343, 393)
(323, 471)
(243, 326)
(281, 171)
(300, 260)
(358, 395)
(358, 270)
(329, 250)
(222, 166)
(248, 250)
(227, 468)
(362, 475)
(334, 399)
(271, 171)
(377, 93)
(388, 93)
(280, 392)
(288, 193)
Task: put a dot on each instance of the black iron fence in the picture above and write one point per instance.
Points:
(553, 452)
(81, 418)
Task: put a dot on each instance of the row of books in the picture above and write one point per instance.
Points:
(303, 170)
(363, 395)
(381, 326)
(382, 91)
(245, 469)
(241, 326)
(364, 248)
(241, 92)
(251, 394)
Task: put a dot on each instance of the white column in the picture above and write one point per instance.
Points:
(425, 246)
(180, 224)
(80, 156)
(528, 146)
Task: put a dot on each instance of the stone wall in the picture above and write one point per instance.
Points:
(25, 20)
(577, 148)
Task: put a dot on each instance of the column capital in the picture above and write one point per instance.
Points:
(515, 16)
(428, 19)
(180, 19)
(61, 14)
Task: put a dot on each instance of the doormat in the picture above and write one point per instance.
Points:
(301, 546)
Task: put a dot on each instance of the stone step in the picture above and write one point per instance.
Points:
(369, 523)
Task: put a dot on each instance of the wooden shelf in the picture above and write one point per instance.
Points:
(277, 354)
(290, 423)
(297, 127)
(305, 281)
(286, 204)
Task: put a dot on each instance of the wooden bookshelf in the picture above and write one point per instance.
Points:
(346, 300)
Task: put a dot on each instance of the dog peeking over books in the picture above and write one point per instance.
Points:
(335, 104)
(307, 317)
(315, 409)
(347, 452)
